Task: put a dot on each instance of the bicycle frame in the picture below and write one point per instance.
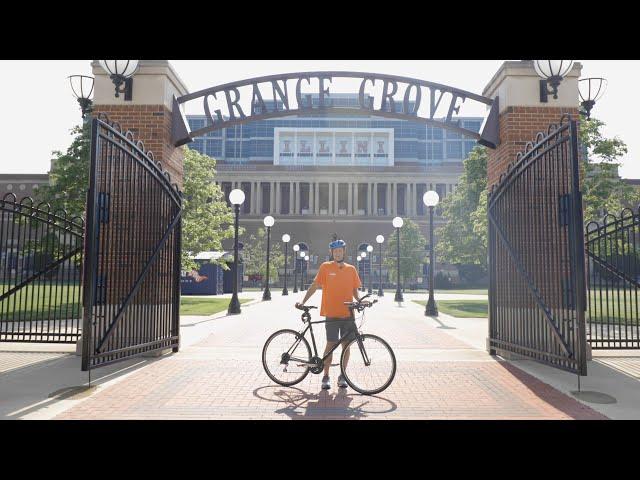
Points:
(309, 327)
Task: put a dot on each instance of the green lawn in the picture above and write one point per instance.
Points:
(205, 306)
(41, 302)
(612, 306)
(461, 308)
(468, 291)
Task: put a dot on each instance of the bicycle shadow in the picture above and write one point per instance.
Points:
(335, 405)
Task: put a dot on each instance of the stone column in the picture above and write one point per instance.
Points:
(388, 205)
(290, 198)
(350, 199)
(369, 199)
(298, 210)
(278, 199)
(336, 203)
(375, 198)
(312, 197)
(316, 201)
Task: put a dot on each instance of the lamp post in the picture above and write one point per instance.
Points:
(306, 270)
(121, 71)
(552, 73)
(285, 240)
(591, 90)
(302, 265)
(296, 247)
(380, 240)
(236, 197)
(363, 255)
(370, 249)
(82, 87)
(397, 223)
(431, 199)
(268, 222)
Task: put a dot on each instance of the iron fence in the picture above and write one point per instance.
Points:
(132, 294)
(536, 253)
(613, 276)
(40, 269)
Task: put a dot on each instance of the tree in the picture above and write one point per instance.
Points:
(206, 217)
(69, 175)
(255, 255)
(603, 190)
(412, 252)
(462, 240)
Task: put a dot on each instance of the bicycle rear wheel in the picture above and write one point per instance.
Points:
(371, 366)
(284, 355)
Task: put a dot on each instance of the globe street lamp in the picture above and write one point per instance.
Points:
(552, 73)
(590, 90)
(285, 240)
(121, 71)
(397, 223)
(380, 240)
(431, 199)
(82, 87)
(296, 247)
(306, 270)
(236, 197)
(302, 265)
(364, 270)
(268, 222)
(370, 249)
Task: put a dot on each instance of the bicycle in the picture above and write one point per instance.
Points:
(287, 359)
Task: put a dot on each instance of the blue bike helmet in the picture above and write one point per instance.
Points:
(336, 243)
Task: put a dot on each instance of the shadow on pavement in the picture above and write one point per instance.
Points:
(337, 404)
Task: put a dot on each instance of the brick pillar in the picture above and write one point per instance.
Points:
(148, 114)
(522, 115)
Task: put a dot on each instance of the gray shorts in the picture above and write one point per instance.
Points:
(337, 327)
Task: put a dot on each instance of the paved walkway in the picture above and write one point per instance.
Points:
(218, 375)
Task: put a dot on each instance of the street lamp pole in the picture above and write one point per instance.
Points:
(370, 249)
(431, 199)
(268, 222)
(380, 240)
(285, 240)
(397, 223)
(295, 268)
(236, 197)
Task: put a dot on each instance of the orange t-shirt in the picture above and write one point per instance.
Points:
(337, 287)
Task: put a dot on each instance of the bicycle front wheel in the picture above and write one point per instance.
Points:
(368, 364)
(286, 357)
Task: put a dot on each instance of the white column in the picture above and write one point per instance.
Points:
(330, 198)
(350, 199)
(272, 198)
(259, 198)
(336, 191)
(369, 199)
(297, 201)
(290, 198)
(394, 198)
(375, 198)
(316, 200)
(278, 199)
(388, 205)
(312, 205)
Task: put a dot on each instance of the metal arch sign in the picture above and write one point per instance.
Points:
(422, 101)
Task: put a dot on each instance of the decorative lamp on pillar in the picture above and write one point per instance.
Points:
(380, 240)
(302, 266)
(552, 73)
(268, 222)
(285, 239)
(236, 197)
(590, 90)
(306, 270)
(121, 71)
(370, 249)
(82, 87)
(431, 199)
(296, 248)
(363, 255)
(397, 224)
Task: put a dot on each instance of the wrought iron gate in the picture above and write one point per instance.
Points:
(40, 269)
(536, 254)
(132, 271)
(613, 249)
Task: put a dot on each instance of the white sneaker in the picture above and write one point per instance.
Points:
(326, 382)
(342, 383)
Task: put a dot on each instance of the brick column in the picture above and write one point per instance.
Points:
(521, 114)
(148, 114)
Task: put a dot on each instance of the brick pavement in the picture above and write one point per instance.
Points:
(221, 377)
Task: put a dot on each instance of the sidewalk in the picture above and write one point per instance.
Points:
(442, 374)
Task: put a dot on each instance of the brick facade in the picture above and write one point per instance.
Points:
(152, 125)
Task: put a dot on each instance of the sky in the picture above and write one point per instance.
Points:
(39, 109)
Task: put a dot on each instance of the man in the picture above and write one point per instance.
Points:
(339, 282)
